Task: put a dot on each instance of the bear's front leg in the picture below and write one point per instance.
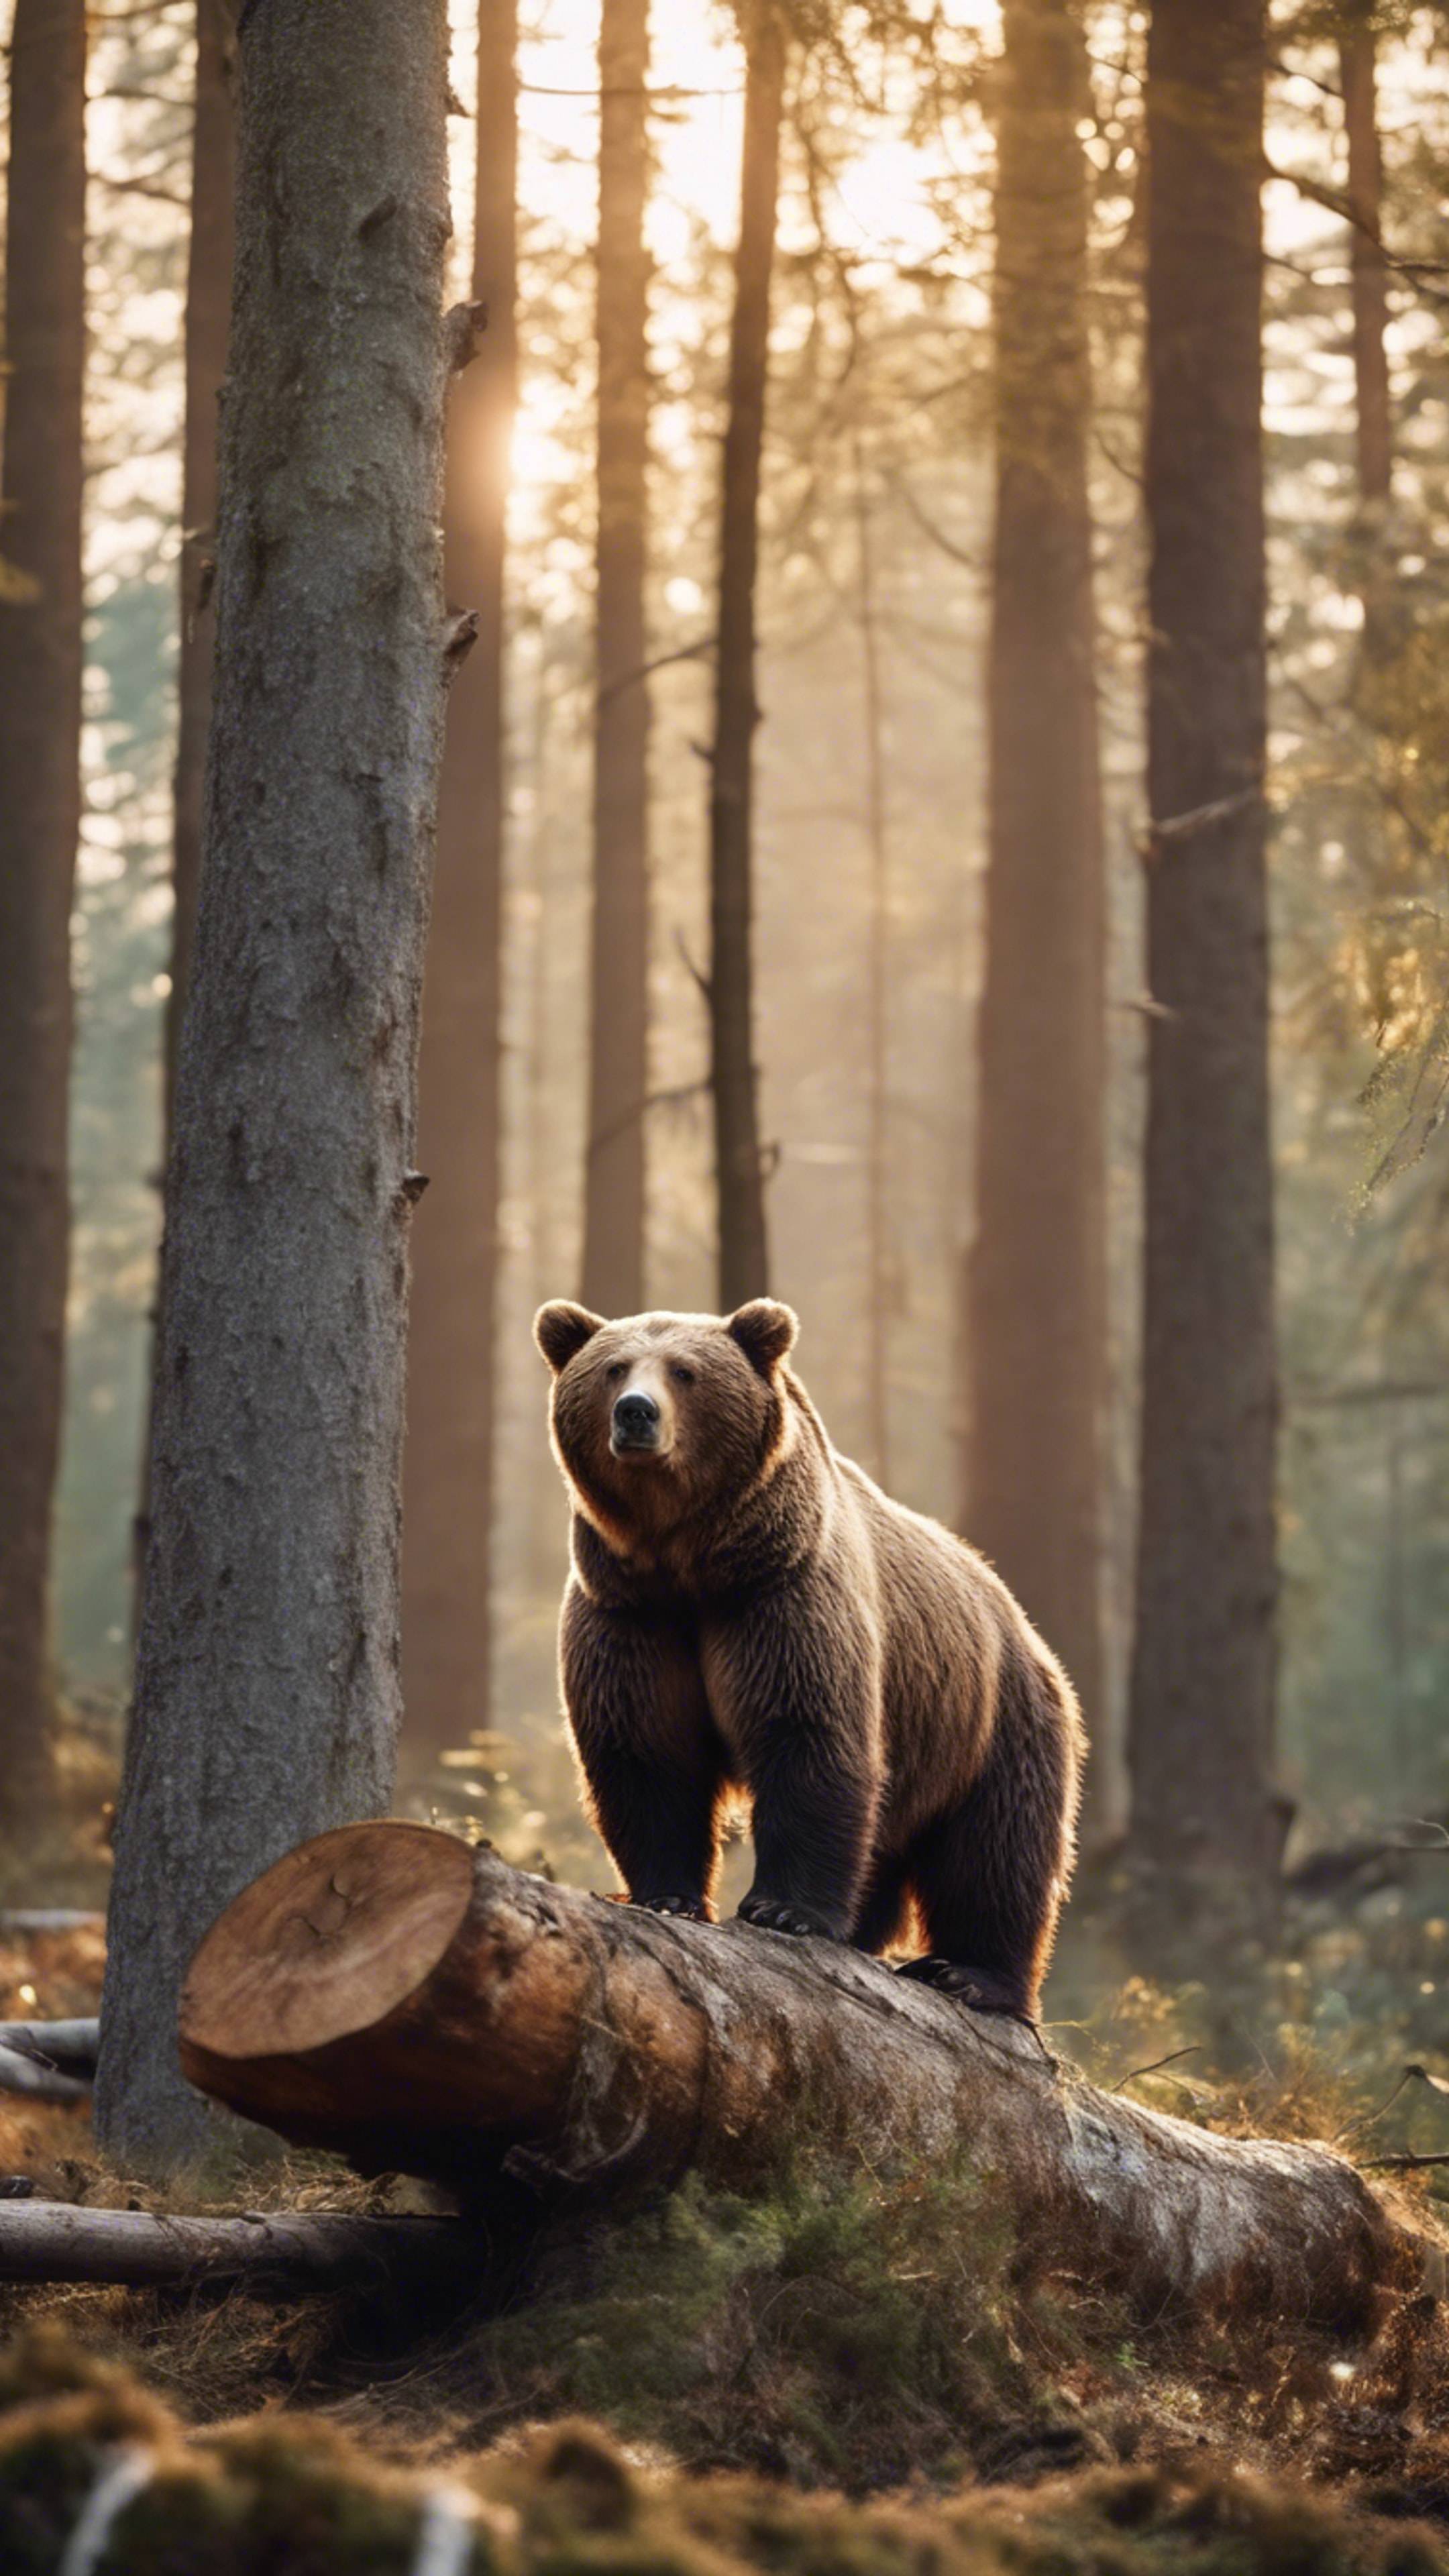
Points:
(795, 1687)
(635, 1703)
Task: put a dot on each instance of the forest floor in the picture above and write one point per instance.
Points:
(844, 2373)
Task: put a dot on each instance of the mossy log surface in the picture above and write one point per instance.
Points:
(389, 1993)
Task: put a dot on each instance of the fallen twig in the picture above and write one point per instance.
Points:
(50, 1918)
(1156, 2067)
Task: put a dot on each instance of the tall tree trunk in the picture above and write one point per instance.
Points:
(448, 1493)
(267, 1682)
(877, 1147)
(208, 319)
(613, 1281)
(1358, 61)
(40, 709)
(1358, 64)
(739, 1170)
(1036, 1280)
(1203, 1677)
(208, 316)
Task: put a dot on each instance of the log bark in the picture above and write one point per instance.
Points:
(53, 2241)
(267, 1688)
(387, 1992)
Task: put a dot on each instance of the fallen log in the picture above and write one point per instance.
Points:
(74, 2045)
(22, 2073)
(43, 2240)
(51, 2061)
(387, 1992)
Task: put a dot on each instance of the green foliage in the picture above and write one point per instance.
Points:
(843, 2327)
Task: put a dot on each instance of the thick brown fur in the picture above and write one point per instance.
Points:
(749, 1615)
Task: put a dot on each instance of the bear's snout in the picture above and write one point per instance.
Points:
(637, 1422)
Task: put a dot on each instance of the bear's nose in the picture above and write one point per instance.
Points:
(636, 1420)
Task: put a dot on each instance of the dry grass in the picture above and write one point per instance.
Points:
(297, 2498)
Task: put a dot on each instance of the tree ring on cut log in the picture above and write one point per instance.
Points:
(328, 1940)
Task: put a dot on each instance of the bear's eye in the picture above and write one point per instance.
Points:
(617, 1368)
(683, 1375)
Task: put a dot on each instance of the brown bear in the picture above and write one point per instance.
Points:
(748, 1614)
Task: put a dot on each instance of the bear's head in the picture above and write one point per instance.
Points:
(656, 1416)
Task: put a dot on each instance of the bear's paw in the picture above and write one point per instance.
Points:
(980, 1988)
(777, 1914)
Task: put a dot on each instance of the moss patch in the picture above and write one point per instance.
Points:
(296, 2498)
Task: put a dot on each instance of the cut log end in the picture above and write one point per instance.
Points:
(328, 1942)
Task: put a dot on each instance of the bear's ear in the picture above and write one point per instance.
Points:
(561, 1331)
(765, 1331)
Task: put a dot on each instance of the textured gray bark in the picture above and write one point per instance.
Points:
(40, 710)
(1037, 1335)
(613, 1267)
(447, 1556)
(208, 312)
(734, 1081)
(1202, 1697)
(267, 1682)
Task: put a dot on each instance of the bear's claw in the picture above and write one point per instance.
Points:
(684, 1909)
(976, 1987)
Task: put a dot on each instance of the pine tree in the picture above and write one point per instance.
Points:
(267, 1686)
(613, 1267)
(447, 1553)
(1201, 1723)
(208, 317)
(734, 1083)
(208, 314)
(1036, 1336)
(40, 803)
